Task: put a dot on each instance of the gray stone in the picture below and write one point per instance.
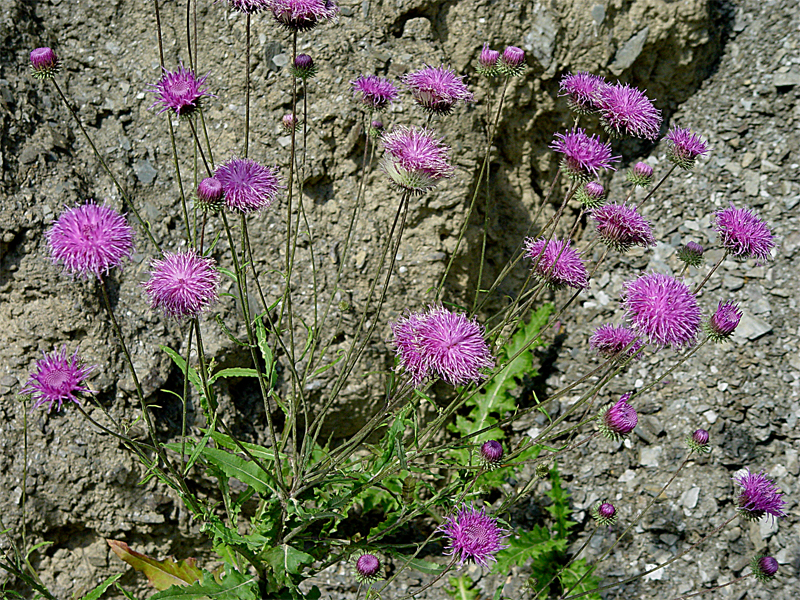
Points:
(752, 183)
(280, 60)
(599, 13)
(145, 172)
(540, 40)
(629, 52)
(791, 78)
(751, 328)
(690, 497)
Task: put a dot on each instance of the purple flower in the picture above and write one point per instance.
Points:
(248, 185)
(641, 174)
(584, 156)
(376, 92)
(662, 309)
(764, 568)
(512, 63)
(441, 343)
(303, 67)
(604, 514)
(183, 284)
(609, 341)
(487, 62)
(618, 420)
(180, 91)
(591, 195)
(698, 442)
(691, 254)
(743, 234)
(248, 7)
(209, 194)
(759, 496)
(437, 89)
(302, 15)
(57, 378)
(44, 63)
(624, 110)
(556, 263)
(90, 240)
(685, 147)
(473, 535)
(368, 568)
(723, 322)
(415, 160)
(621, 227)
(581, 90)
(491, 453)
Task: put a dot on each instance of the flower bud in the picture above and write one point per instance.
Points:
(723, 322)
(304, 67)
(512, 63)
(290, 123)
(641, 174)
(492, 453)
(209, 194)
(764, 567)
(618, 420)
(368, 567)
(591, 195)
(691, 254)
(699, 442)
(604, 513)
(487, 62)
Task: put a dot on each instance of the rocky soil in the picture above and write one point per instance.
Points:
(730, 71)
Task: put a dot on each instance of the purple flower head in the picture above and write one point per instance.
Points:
(248, 185)
(584, 155)
(375, 128)
(368, 568)
(248, 7)
(591, 195)
(44, 63)
(621, 227)
(557, 263)
(723, 322)
(453, 346)
(625, 111)
(415, 160)
(759, 496)
(512, 63)
(57, 378)
(698, 442)
(618, 420)
(684, 147)
(604, 514)
(491, 453)
(641, 174)
(303, 67)
(90, 240)
(487, 62)
(209, 194)
(302, 15)
(764, 567)
(581, 90)
(610, 341)
(743, 234)
(290, 123)
(180, 91)
(473, 535)
(183, 284)
(376, 92)
(441, 343)
(662, 309)
(437, 89)
(691, 254)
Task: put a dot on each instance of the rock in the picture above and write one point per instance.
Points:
(750, 328)
(145, 172)
(629, 52)
(788, 79)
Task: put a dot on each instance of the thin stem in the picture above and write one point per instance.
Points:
(658, 185)
(247, 87)
(711, 272)
(184, 398)
(716, 587)
(122, 193)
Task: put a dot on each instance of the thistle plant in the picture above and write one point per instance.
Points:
(435, 451)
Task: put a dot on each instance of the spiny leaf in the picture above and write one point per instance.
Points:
(525, 546)
(234, 585)
(285, 561)
(461, 588)
(161, 573)
(100, 589)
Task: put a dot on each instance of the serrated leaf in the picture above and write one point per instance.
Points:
(161, 573)
(245, 471)
(461, 588)
(526, 545)
(285, 561)
(100, 589)
(234, 585)
(560, 509)
(233, 372)
(573, 573)
(194, 377)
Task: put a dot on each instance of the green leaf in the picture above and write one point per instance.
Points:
(286, 560)
(461, 588)
(560, 509)
(233, 372)
(198, 448)
(100, 589)
(161, 573)
(125, 592)
(573, 573)
(527, 545)
(228, 273)
(423, 566)
(245, 471)
(234, 585)
(194, 377)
